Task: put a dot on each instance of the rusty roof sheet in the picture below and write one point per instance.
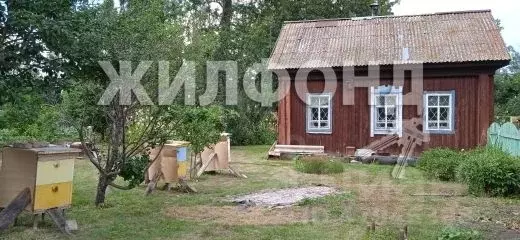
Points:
(467, 36)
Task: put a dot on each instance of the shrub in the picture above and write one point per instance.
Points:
(315, 165)
(132, 172)
(250, 125)
(441, 163)
(32, 120)
(460, 234)
(490, 171)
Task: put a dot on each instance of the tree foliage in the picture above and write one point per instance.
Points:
(27, 65)
(507, 87)
(251, 36)
(51, 77)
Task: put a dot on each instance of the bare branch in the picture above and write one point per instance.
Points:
(141, 140)
(86, 149)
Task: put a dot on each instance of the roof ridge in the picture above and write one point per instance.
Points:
(390, 16)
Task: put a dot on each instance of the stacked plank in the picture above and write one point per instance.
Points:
(279, 150)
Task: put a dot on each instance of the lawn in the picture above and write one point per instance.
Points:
(369, 195)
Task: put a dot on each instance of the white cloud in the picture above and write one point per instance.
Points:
(508, 11)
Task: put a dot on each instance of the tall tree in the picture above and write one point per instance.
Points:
(27, 64)
(249, 35)
(138, 32)
(507, 87)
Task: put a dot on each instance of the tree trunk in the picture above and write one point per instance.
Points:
(101, 189)
(227, 14)
(115, 157)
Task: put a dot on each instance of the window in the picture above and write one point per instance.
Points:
(439, 112)
(386, 112)
(319, 113)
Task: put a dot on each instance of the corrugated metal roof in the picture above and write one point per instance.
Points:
(431, 38)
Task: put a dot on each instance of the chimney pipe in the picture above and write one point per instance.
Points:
(375, 8)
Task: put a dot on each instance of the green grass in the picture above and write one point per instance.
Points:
(318, 165)
(368, 194)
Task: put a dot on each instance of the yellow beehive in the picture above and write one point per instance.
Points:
(48, 172)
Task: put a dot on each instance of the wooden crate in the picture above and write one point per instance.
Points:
(47, 172)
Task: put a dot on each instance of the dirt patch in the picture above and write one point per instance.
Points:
(240, 215)
(283, 197)
(508, 234)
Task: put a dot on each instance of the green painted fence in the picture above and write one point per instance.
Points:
(505, 136)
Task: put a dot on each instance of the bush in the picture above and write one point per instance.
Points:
(460, 234)
(316, 165)
(441, 163)
(251, 126)
(33, 120)
(490, 171)
(132, 171)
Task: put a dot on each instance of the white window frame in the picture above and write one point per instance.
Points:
(319, 129)
(451, 113)
(396, 91)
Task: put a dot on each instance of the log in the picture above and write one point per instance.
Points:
(386, 160)
(437, 195)
(15, 207)
(58, 218)
(236, 173)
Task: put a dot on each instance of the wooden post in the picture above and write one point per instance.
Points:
(281, 122)
(58, 218)
(35, 221)
(484, 106)
(403, 233)
(284, 110)
(288, 115)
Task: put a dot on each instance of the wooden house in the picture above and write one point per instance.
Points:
(457, 54)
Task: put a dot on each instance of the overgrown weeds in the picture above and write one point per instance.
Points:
(318, 165)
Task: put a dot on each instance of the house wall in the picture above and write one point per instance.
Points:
(351, 124)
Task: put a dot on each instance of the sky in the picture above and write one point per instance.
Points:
(508, 11)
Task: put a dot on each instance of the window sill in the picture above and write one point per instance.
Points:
(320, 133)
(440, 132)
(386, 132)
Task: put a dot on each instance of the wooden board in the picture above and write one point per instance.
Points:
(55, 172)
(57, 157)
(14, 208)
(506, 137)
(52, 195)
(168, 161)
(222, 150)
(278, 150)
(18, 172)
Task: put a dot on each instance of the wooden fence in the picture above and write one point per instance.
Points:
(505, 136)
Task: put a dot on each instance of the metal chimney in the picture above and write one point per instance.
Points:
(375, 8)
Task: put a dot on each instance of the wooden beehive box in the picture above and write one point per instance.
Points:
(223, 151)
(172, 162)
(48, 172)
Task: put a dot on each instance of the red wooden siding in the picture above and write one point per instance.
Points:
(351, 124)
